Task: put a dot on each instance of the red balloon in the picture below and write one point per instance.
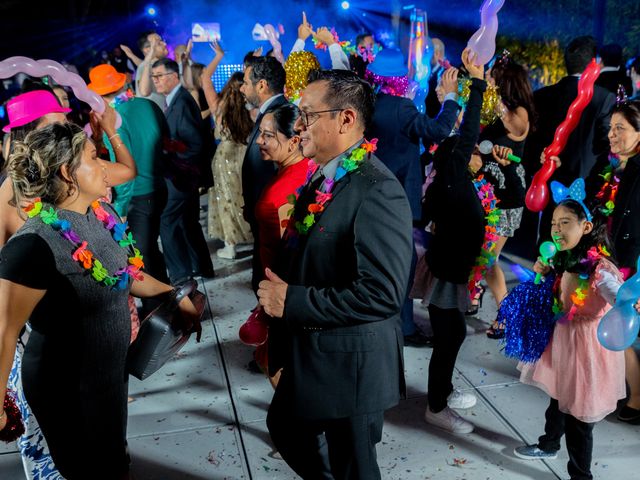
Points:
(538, 193)
(255, 330)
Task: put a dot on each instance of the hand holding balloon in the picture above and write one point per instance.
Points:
(547, 252)
(619, 328)
(483, 41)
(41, 68)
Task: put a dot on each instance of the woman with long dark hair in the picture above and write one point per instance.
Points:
(233, 126)
(516, 113)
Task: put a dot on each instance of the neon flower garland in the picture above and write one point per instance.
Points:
(120, 279)
(487, 256)
(609, 189)
(319, 45)
(579, 295)
(348, 164)
(122, 98)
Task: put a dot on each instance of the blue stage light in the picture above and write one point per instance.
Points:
(151, 11)
(345, 5)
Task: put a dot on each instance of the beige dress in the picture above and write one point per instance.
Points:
(225, 197)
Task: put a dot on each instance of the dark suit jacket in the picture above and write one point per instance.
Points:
(256, 173)
(340, 340)
(190, 148)
(611, 79)
(585, 145)
(399, 127)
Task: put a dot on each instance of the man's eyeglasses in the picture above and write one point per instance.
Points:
(157, 76)
(309, 118)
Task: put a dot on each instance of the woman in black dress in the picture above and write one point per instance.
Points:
(69, 270)
(516, 112)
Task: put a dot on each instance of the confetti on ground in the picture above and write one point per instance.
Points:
(212, 459)
(458, 462)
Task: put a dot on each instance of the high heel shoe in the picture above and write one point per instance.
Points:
(496, 330)
(476, 303)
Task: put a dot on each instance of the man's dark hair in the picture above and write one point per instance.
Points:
(360, 38)
(579, 53)
(169, 65)
(248, 59)
(346, 90)
(611, 55)
(143, 39)
(270, 70)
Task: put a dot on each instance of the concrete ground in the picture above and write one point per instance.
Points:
(202, 416)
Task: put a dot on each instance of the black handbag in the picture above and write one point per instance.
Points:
(161, 336)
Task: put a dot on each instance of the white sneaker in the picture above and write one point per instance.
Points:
(228, 252)
(461, 400)
(448, 420)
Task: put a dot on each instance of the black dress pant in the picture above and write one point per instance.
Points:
(185, 248)
(340, 448)
(144, 216)
(579, 439)
(449, 331)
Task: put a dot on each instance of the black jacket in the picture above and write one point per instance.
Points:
(625, 228)
(587, 144)
(399, 127)
(340, 340)
(452, 202)
(190, 147)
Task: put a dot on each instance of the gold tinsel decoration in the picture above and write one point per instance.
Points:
(297, 68)
(490, 100)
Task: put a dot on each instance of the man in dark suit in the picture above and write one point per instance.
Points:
(613, 73)
(399, 128)
(263, 85)
(588, 143)
(185, 248)
(336, 295)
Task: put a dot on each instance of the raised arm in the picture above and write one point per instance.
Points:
(124, 169)
(470, 127)
(305, 30)
(132, 56)
(187, 74)
(143, 84)
(205, 78)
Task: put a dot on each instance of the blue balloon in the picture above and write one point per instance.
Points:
(619, 328)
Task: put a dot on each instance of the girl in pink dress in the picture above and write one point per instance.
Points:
(583, 379)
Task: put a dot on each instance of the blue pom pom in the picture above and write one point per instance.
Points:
(529, 320)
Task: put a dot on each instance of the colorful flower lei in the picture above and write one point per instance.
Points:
(579, 295)
(120, 279)
(609, 189)
(349, 163)
(323, 46)
(366, 53)
(122, 98)
(487, 256)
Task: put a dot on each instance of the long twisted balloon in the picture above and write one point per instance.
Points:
(483, 42)
(538, 193)
(41, 68)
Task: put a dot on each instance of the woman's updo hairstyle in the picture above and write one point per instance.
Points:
(34, 166)
(285, 118)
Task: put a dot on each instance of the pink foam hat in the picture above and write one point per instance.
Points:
(30, 106)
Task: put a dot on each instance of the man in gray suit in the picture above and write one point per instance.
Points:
(336, 293)
(185, 248)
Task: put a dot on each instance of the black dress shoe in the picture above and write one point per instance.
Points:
(417, 339)
(629, 415)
